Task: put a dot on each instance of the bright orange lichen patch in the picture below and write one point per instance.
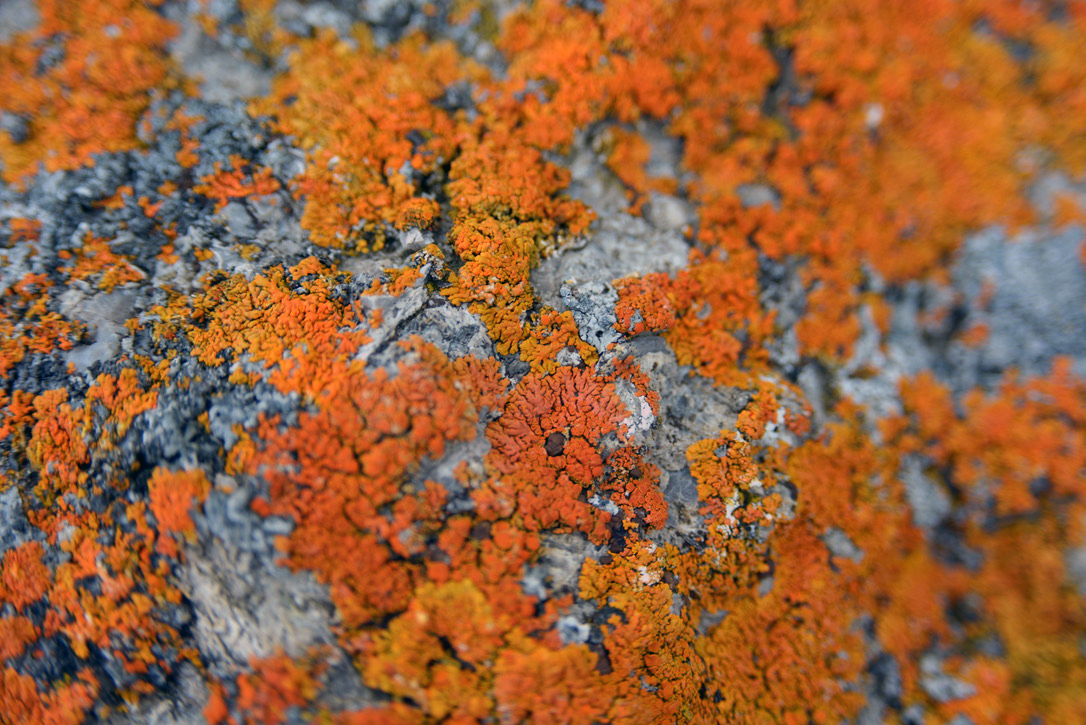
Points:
(644, 304)
(507, 210)
(440, 652)
(373, 130)
(832, 137)
(90, 96)
(628, 157)
(268, 693)
(648, 642)
(123, 398)
(96, 259)
(1018, 457)
(276, 684)
(172, 494)
(399, 281)
(377, 137)
(550, 685)
(66, 705)
(23, 230)
(709, 314)
(104, 592)
(340, 474)
(549, 335)
(263, 325)
(27, 326)
(636, 486)
(544, 452)
(821, 106)
(15, 634)
(239, 182)
(24, 578)
(807, 614)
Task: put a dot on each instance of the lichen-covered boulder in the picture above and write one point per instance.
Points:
(555, 362)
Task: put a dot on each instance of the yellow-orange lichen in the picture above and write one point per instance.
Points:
(27, 326)
(90, 98)
(96, 258)
(25, 579)
(238, 182)
(345, 489)
(172, 494)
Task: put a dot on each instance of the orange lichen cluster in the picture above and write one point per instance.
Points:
(96, 259)
(644, 304)
(25, 578)
(263, 328)
(266, 695)
(374, 132)
(28, 326)
(1017, 457)
(64, 706)
(339, 474)
(545, 452)
(238, 182)
(172, 494)
(118, 615)
(381, 146)
(343, 474)
(635, 484)
(709, 314)
(829, 108)
(550, 333)
(81, 80)
(506, 210)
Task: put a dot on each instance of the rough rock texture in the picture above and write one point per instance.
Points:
(580, 362)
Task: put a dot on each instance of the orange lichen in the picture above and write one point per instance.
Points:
(709, 314)
(644, 304)
(374, 135)
(216, 710)
(399, 281)
(629, 154)
(842, 143)
(24, 579)
(15, 634)
(544, 686)
(550, 334)
(22, 230)
(544, 452)
(172, 494)
(345, 489)
(89, 98)
(635, 483)
(66, 705)
(123, 398)
(855, 169)
(1019, 457)
(439, 653)
(354, 112)
(117, 616)
(276, 684)
(506, 212)
(239, 182)
(260, 322)
(27, 326)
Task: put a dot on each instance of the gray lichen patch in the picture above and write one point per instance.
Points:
(235, 596)
(593, 307)
(225, 74)
(17, 16)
